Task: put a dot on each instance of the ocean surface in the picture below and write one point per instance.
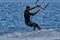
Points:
(12, 16)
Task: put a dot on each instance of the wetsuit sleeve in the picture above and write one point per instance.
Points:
(31, 14)
(33, 8)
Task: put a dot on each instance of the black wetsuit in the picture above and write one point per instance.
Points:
(28, 22)
(27, 15)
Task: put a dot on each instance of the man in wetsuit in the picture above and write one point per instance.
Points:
(27, 15)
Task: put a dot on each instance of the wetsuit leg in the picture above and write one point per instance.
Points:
(30, 24)
(36, 26)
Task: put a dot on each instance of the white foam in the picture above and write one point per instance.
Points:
(33, 35)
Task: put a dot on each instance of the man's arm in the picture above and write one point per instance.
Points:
(34, 7)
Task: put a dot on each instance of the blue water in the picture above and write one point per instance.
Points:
(13, 13)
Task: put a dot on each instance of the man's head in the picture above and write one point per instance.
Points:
(27, 7)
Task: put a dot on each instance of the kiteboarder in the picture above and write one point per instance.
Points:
(27, 16)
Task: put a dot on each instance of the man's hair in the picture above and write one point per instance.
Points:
(27, 7)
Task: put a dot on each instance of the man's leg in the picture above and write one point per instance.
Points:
(36, 26)
(32, 24)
